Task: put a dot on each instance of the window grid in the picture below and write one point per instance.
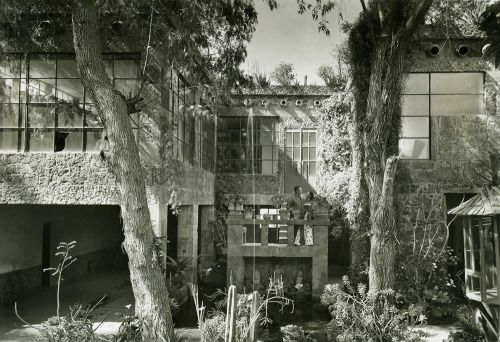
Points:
(50, 117)
(440, 88)
(300, 151)
(234, 140)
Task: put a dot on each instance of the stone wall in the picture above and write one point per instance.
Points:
(459, 143)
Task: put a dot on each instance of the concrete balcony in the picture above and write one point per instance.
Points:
(239, 249)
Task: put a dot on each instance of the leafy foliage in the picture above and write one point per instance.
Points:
(293, 333)
(467, 330)
(359, 315)
(334, 79)
(284, 75)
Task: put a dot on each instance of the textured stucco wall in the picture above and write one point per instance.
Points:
(82, 178)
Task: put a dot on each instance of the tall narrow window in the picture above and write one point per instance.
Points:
(300, 162)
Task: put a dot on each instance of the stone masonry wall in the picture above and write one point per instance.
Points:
(459, 144)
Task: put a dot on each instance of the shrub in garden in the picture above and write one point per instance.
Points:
(467, 330)
(293, 333)
(368, 317)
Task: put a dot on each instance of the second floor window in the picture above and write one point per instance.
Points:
(247, 145)
(435, 94)
(44, 106)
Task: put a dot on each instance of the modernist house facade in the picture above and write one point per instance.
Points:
(55, 187)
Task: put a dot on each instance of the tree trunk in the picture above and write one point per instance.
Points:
(381, 147)
(150, 292)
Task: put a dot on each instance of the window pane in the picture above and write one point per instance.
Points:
(42, 66)
(312, 139)
(296, 153)
(266, 124)
(128, 88)
(66, 67)
(126, 69)
(312, 169)
(305, 153)
(288, 141)
(416, 84)
(8, 141)
(70, 90)
(415, 105)
(42, 91)
(415, 127)
(9, 90)
(414, 148)
(95, 140)
(305, 139)
(312, 154)
(10, 66)
(69, 115)
(457, 83)
(9, 115)
(296, 139)
(266, 138)
(41, 116)
(41, 141)
(68, 141)
(456, 104)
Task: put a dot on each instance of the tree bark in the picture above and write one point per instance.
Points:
(381, 148)
(150, 291)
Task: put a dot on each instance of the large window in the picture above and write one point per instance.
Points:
(44, 106)
(183, 119)
(235, 139)
(300, 162)
(432, 94)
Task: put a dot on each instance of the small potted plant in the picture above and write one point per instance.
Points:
(231, 204)
(238, 206)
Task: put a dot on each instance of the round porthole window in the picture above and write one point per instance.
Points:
(298, 103)
(283, 102)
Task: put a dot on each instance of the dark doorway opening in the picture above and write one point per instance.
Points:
(46, 254)
(339, 254)
(172, 233)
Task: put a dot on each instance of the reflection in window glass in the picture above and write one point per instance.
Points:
(456, 104)
(70, 90)
(126, 69)
(9, 90)
(415, 127)
(69, 115)
(457, 83)
(9, 115)
(10, 66)
(42, 66)
(414, 148)
(41, 140)
(416, 84)
(8, 141)
(42, 90)
(66, 67)
(415, 105)
(41, 116)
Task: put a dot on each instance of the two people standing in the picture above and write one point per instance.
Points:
(305, 203)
